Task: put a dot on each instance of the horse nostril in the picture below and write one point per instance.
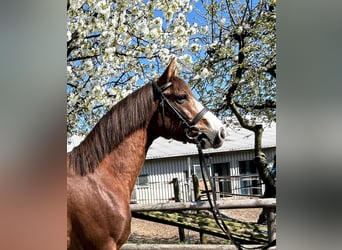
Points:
(222, 133)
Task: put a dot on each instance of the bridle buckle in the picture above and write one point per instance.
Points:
(192, 132)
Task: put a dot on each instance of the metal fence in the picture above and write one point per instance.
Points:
(225, 186)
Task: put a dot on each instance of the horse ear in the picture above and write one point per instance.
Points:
(175, 72)
(169, 72)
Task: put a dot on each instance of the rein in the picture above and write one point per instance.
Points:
(214, 208)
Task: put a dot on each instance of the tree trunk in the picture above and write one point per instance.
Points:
(260, 162)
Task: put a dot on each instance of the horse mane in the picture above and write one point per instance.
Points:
(127, 116)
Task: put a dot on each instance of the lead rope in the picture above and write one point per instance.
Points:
(215, 211)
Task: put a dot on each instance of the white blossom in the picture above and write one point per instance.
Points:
(194, 47)
(98, 90)
(69, 70)
(102, 7)
(186, 59)
(75, 4)
(239, 30)
(68, 35)
(204, 29)
(73, 99)
(205, 73)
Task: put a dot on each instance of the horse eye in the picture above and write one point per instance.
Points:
(181, 98)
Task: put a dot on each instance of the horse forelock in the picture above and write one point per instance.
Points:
(127, 116)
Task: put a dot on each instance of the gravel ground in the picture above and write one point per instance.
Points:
(143, 231)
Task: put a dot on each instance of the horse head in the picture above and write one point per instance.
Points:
(181, 116)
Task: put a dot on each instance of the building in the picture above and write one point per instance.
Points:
(230, 164)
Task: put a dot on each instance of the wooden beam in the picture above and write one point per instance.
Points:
(243, 232)
(131, 246)
(204, 205)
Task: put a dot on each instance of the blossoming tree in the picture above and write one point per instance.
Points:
(113, 46)
(239, 70)
(227, 51)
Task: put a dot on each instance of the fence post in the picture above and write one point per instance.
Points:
(217, 186)
(177, 199)
(197, 192)
(271, 223)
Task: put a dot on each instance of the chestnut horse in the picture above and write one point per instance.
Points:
(103, 169)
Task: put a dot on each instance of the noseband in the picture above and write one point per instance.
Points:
(191, 131)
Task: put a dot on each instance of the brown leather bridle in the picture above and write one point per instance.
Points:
(191, 131)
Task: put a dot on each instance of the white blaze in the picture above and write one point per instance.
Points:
(214, 123)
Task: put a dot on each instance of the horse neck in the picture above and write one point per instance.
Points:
(124, 163)
(126, 121)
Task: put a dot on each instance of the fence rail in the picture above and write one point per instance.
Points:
(204, 205)
(225, 186)
(131, 246)
(268, 203)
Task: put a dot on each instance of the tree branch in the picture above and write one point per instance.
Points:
(230, 13)
(242, 121)
(272, 71)
(70, 48)
(81, 58)
(268, 104)
(92, 36)
(244, 13)
(71, 85)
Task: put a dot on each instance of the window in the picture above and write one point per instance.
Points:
(247, 168)
(222, 169)
(249, 180)
(256, 187)
(142, 180)
(222, 178)
(250, 186)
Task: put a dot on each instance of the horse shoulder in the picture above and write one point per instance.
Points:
(101, 214)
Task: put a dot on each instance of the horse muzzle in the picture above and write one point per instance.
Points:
(207, 138)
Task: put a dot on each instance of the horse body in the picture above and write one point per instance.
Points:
(100, 201)
(103, 169)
